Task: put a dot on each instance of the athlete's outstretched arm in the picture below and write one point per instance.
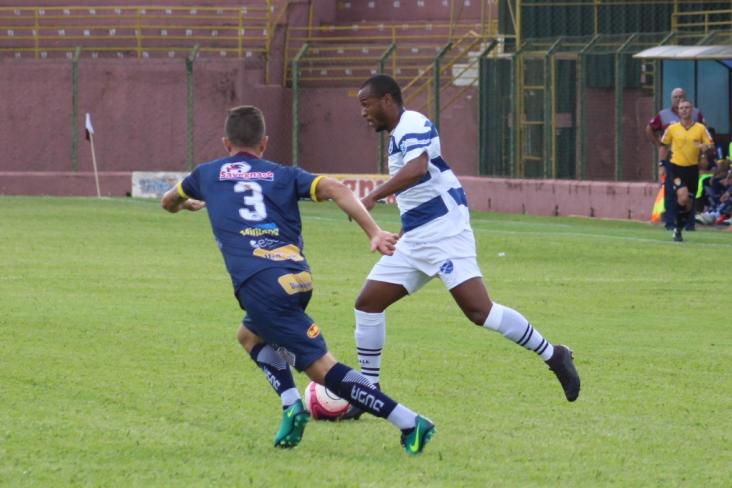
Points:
(410, 174)
(173, 202)
(330, 189)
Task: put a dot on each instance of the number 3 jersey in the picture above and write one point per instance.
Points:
(252, 204)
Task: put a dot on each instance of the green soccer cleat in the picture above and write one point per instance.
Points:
(416, 438)
(294, 419)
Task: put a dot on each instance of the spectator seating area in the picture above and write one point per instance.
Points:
(346, 40)
(136, 31)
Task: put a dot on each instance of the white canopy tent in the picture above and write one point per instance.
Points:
(686, 52)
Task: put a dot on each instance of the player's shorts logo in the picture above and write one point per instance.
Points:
(296, 283)
(446, 267)
(313, 331)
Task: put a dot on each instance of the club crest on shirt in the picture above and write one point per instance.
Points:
(240, 171)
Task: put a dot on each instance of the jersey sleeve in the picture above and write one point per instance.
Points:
(666, 138)
(416, 139)
(190, 186)
(656, 123)
(306, 183)
(707, 137)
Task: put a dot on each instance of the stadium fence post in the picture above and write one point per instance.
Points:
(483, 98)
(381, 161)
(550, 92)
(75, 109)
(436, 85)
(296, 104)
(517, 58)
(189, 105)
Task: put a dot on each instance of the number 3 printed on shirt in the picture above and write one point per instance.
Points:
(254, 208)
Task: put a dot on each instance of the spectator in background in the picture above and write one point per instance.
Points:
(655, 128)
(687, 139)
(717, 194)
(713, 154)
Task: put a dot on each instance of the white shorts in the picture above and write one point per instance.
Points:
(412, 265)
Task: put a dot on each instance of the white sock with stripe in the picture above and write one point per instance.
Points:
(514, 326)
(370, 337)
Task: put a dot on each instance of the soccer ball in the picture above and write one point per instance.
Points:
(322, 403)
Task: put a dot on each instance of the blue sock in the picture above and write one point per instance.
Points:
(358, 390)
(278, 373)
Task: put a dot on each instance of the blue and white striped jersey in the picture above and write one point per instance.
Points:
(436, 206)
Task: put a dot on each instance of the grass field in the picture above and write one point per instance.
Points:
(119, 366)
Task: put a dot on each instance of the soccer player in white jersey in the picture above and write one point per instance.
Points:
(436, 240)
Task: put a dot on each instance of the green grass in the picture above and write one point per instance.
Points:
(119, 366)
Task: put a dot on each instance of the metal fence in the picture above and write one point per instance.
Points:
(574, 107)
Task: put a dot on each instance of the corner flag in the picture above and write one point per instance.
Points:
(89, 133)
(88, 129)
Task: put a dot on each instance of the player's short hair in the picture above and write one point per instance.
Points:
(245, 126)
(383, 84)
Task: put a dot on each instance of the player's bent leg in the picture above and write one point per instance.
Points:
(473, 300)
(416, 431)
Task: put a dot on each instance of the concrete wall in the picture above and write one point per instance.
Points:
(537, 197)
(139, 114)
(601, 199)
(138, 111)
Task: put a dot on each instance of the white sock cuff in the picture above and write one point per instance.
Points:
(368, 319)
(495, 316)
(290, 396)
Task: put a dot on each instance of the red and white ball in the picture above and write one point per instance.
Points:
(322, 403)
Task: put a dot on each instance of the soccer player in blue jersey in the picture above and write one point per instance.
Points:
(252, 205)
(436, 240)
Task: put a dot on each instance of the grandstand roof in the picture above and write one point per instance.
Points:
(686, 52)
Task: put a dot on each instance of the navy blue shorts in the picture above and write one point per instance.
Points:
(275, 300)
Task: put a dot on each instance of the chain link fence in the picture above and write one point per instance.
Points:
(564, 97)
